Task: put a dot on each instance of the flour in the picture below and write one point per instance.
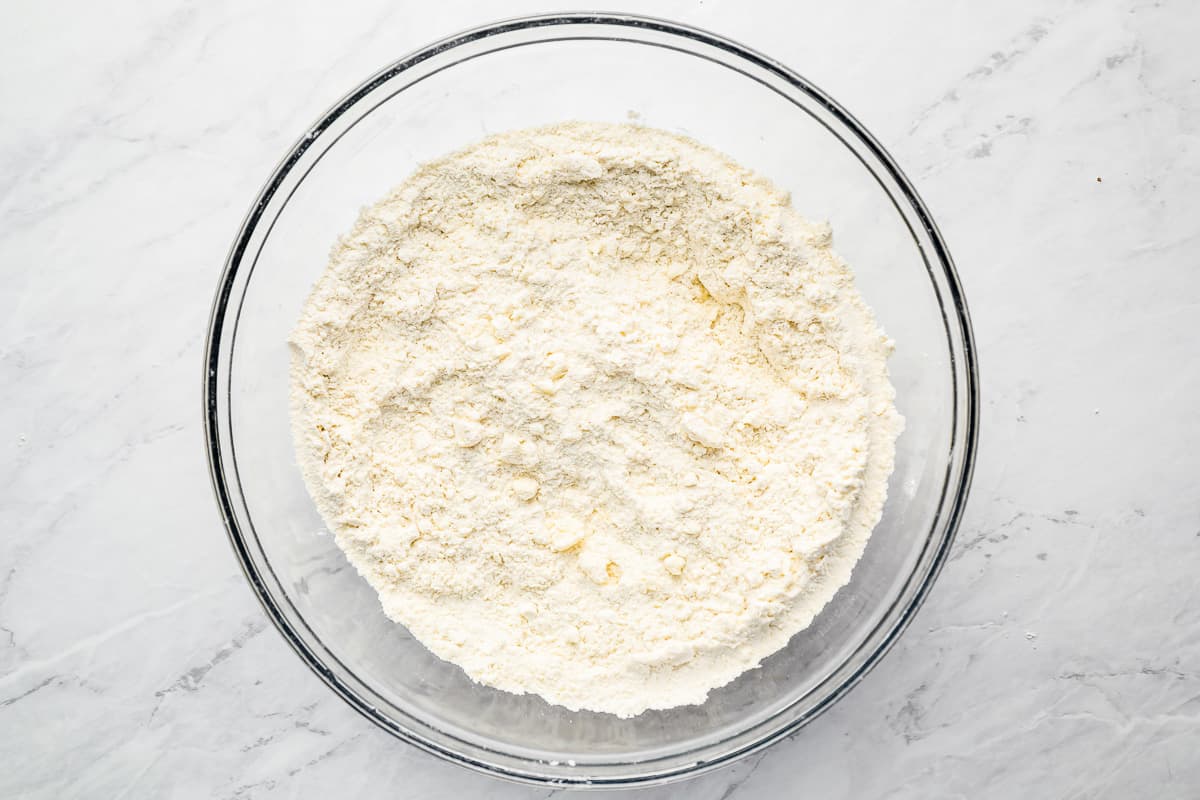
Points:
(595, 412)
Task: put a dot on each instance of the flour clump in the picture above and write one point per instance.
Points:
(595, 412)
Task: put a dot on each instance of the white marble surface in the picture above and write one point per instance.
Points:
(1058, 144)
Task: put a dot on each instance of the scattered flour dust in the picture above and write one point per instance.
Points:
(595, 412)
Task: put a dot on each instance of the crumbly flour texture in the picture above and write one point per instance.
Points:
(595, 412)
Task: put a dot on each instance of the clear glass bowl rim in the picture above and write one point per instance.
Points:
(963, 362)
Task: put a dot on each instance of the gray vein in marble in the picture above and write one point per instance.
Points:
(737, 784)
(995, 61)
(100, 638)
(192, 680)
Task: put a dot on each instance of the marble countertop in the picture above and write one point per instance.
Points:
(1058, 145)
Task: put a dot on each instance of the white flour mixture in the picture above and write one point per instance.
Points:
(596, 413)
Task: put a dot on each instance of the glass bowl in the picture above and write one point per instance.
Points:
(530, 72)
